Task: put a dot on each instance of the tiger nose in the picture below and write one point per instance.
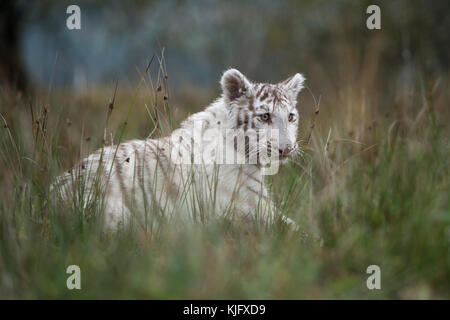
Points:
(285, 151)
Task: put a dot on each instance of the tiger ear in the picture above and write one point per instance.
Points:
(294, 85)
(234, 85)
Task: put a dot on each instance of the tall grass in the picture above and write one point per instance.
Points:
(372, 182)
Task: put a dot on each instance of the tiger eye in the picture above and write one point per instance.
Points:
(265, 116)
(291, 117)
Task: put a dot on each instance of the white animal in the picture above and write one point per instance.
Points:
(154, 177)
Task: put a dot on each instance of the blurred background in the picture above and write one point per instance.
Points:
(267, 40)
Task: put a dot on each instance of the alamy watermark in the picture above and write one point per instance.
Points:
(74, 280)
(74, 20)
(227, 146)
(374, 280)
(374, 20)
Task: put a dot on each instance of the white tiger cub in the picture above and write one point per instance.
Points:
(148, 178)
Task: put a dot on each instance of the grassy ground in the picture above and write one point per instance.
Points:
(373, 183)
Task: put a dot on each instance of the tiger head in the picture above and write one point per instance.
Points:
(265, 109)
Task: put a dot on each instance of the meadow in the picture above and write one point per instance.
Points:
(372, 184)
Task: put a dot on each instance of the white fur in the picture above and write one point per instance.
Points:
(140, 176)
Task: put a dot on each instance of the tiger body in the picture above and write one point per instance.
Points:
(151, 177)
